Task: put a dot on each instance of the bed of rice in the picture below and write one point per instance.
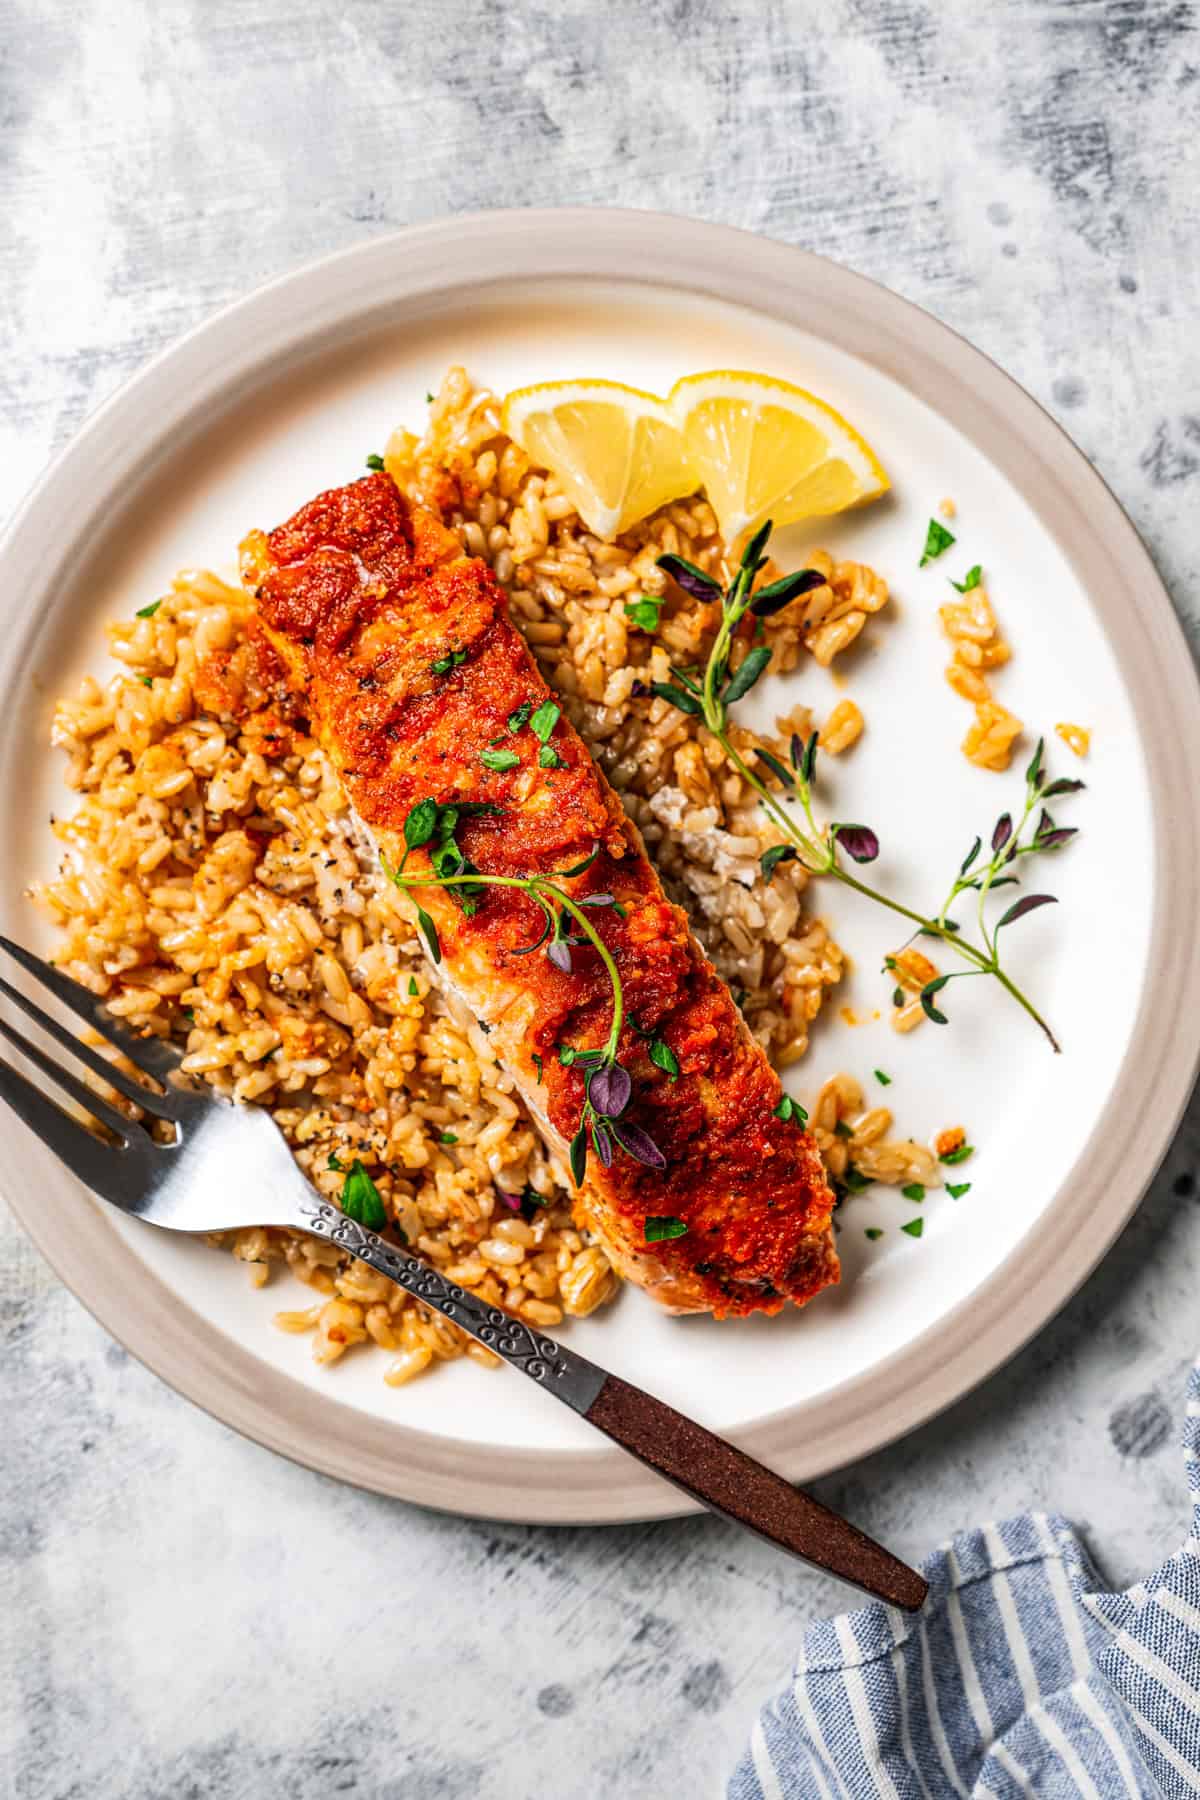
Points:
(210, 890)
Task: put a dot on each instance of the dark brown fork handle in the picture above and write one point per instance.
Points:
(732, 1483)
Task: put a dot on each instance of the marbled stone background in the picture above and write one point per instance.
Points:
(181, 1613)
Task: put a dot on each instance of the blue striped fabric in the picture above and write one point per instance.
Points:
(1019, 1677)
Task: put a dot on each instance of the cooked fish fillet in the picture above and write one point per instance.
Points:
(362, 594)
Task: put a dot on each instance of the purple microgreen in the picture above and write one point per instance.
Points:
(499, 760)
(609, 1089)
(777, 594)
(776, 767)
(1033, 773)
(660, 1227)
(544, 720)
(972, 853)
(602, 1142)
(361, 1199)
(752, 554)
(1064, 785)
(914, 1227)
(676, 696)
(743, 680)
(937, 540)
(547, 928)
(428, 931)
(664, 1058)
(641, 690)
(519, 718)
(1002, 832)
(1027, 904)
(692, 580)
(972, 580)
(638, 1143)
(1054, 840)
(598, 900)
(858, 841)
(559, 953)
(806, 768)
(577, 1155)
(926, 999)
(956, 1189)
(770, 859)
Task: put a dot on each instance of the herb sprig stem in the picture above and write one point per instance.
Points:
(817, 849)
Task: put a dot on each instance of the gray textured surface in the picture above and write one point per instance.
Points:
(180, 1612)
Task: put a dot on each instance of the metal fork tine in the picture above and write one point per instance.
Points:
(154, 1055)
(70, 1083)
(161, 1105)
(96, 1164)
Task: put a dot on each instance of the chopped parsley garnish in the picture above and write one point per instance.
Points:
(148, 612)
(335, 1163)
(854, 1181)
(791, 1109)
(375, 461)
(842, 1130)
(873, 1232)
(914, 1191)
(958, 1156)
(519, 718)
(662, 1226)
(447, 1137)
(429, 399)
(361, 1199)
(500, 760)
(956, 1189)
(544, 720)
(531, 1201)
(537, 1063)
(898, 996)
(189, 1014)
(412, 985)
(643, 613)
(914, 1227)
(937, 539)
(548, 758)
(451, 660)
(663, 1057)
(145, 681)
(882, 1079)
(973, 578)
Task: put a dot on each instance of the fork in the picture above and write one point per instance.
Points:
(172, 1184)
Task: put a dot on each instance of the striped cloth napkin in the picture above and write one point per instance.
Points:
(1020, 1676)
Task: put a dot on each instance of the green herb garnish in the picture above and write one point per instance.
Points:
(663, 1057)
(956, 1189)
(662, 1226)
(447, 1137)
(882, 1079)
(375, 461)
(548, 758)
(335, 1163)
(537, 1063)
(148, 612)
(429, 399)
(821, 849)
(412, 985)
(873, 1232)
(914, 1227)
(937, 539)
(854, 1181)
(843, 1130)
(643, 613)
(914, 1191)
(790, 1109)
(146, 681)
(544, 720)
(361, 1199)
(958, 1156)
(499, 760)
(973, 578)
(519, 718)
(452, 660)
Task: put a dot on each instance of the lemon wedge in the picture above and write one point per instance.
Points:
(617, 451)
(763, 449)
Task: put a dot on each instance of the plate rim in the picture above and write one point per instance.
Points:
(290, 317)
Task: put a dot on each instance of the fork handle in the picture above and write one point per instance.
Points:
(703, 1465)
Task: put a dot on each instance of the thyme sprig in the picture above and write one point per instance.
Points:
(709, 693)
(432, 825)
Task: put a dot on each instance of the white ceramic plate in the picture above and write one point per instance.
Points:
(283, 395)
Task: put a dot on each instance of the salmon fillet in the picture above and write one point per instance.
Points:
(410, 670)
